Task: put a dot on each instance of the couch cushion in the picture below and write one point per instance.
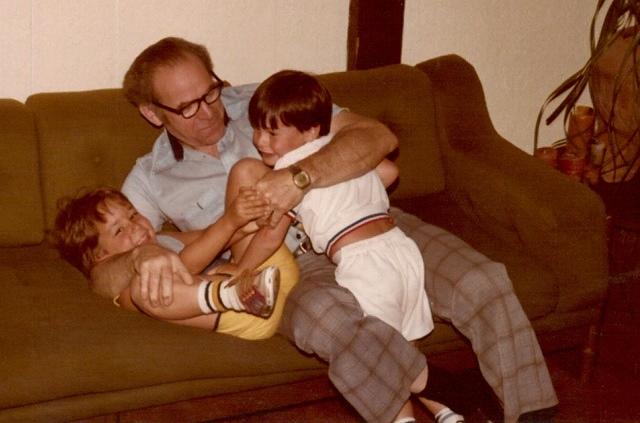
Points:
(63, 346)
(407, 109)
(22, 219)
(87, 138)
(536, 286)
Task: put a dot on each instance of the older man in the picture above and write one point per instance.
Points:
(183, 180)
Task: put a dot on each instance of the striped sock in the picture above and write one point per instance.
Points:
(447, 416)
(213, 298)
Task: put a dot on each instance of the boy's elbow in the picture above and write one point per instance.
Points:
(392, 141)
(394, 173)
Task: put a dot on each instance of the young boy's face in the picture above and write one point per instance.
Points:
(273, 143)
(122, 230)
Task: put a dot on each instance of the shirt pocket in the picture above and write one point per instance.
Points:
(205, 210)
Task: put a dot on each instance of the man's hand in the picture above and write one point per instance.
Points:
(278, 188)
(158, 268)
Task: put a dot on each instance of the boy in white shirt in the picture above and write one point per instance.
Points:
(349, 222)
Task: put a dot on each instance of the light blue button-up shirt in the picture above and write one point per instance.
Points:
(190, 193)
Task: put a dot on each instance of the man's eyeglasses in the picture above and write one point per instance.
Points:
(190, 109)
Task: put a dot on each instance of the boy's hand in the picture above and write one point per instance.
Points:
(247, 206)
(159, 268)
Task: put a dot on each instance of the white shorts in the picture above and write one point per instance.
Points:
(386, 275)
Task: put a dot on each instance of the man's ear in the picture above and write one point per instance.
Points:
(149, 114)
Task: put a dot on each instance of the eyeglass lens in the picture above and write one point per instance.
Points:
(192, 108)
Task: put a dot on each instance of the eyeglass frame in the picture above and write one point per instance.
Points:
(197, 101)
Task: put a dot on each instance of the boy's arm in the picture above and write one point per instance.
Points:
(358, 146)
(212, 241)
(216, 238)
(188, 237)
(264, 243)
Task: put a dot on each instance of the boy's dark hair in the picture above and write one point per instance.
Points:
(137, 87)
(296, 98)
(75, 232)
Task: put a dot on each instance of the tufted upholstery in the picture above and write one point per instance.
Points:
(22, 215)
(67, 354)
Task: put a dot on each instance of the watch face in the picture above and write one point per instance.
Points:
(301, 179)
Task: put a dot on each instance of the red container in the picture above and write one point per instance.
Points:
(572, 165)
(548, 155)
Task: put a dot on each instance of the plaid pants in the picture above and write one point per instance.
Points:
(373, 366)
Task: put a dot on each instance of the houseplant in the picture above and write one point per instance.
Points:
(612, 75)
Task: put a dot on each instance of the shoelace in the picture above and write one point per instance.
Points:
(252, 299)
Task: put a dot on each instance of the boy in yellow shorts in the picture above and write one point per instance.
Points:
(101, 223)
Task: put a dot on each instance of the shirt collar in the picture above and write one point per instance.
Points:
(177, 146)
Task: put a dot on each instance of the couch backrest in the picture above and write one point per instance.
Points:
(92, 138)
(22, 220)
(401, 97)
(87, 138)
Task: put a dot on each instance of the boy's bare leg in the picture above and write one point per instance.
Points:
(406, 413)
(245, 173)
(181, 306)
(251, 292)
(184, 306)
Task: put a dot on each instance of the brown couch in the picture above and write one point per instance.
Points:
(68, 354)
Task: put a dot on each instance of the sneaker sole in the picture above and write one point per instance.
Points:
(270, 280)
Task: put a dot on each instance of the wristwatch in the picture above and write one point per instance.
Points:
(301, 178)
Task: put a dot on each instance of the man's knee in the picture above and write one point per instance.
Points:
(323, 301)
(315, 316)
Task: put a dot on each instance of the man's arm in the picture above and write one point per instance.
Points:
(359, 144)
(156, 266)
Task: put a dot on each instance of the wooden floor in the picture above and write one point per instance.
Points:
(612, 395)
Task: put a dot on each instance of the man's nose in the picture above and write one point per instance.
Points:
(206, 109)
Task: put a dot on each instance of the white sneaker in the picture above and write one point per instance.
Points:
(258, 291)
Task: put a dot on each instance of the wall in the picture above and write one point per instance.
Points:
(521, 49)
(51, 45)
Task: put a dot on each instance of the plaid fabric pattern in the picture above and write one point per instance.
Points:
(370, 363)
(475, 294)
(373, 366)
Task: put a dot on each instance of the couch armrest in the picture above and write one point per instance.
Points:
(515, 197)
